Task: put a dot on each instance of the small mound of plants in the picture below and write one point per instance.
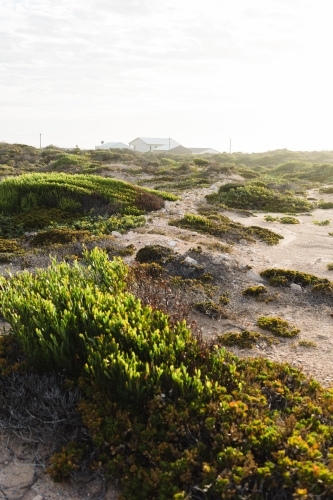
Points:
(325, 204)
(277, 326)
(255, 197)
(221, 226)
(256, 291)
(285, 277)
(246, 339)
(154, 253)
(171, 417)
(289, 220)
(325, 222)
(58, 236)
(9, 246)
(211, 309)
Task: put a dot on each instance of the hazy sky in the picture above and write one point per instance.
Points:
(201, 71)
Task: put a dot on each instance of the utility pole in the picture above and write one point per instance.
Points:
(40, 141)
(230, 147)
(169, 143)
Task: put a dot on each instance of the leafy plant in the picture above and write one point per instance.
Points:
(277, 326)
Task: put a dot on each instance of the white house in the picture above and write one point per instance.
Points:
(204, 151)
(113, 145)
(146, 144)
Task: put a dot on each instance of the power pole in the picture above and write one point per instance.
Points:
(40, 141)
(169, 143)
(230, 147)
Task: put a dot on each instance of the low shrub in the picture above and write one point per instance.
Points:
(58, 236)
(277, 326)
(325, 204)
(284, 277)
(154, 253)
(288, 220)
(255, 291)
(307, 343)
(200, 162)
(211, 309)
(322, 222)
(9, 246)
(245, 339)
(254, 197)
(266, 235)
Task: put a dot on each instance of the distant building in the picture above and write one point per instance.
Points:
(203, 151)
(113, 145)
(147, 144)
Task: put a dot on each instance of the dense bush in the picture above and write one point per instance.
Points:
(254, 197)
(55, 190)
(172, 417)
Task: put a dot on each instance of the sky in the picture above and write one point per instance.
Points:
(203, 72)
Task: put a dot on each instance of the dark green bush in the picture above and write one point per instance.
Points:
(58, 236)
(154, 253)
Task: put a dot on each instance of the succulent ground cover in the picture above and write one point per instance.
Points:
(169, 415)
(222, 226)
(73, 202)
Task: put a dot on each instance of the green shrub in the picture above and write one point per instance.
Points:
(330, 266)
(265, 235)
(200, 162)
(9, 246)
(255, 291)
(211, 309)
(325, 204)
(58, 236)
(154, 253)
(245, 339)
(288, 220)
(253, 197)
(322, 222)
(277, 326)
(284, 277)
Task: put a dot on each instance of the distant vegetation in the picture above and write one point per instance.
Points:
(78, 202)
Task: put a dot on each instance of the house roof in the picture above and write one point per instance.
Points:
(112, 145)
(158, 141)
(201, 150)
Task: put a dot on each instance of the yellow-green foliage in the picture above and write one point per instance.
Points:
(322, 223)
(277, 326)
(168, 414)
(211, 309)
(9, 246)
(288, 220)
(221, 226)
(86, 191)
(58, 236)
(284, 277)
(307, 343)
(254, 197)
(256, 291)
(325, 204)
(330, 266)
(245, 339)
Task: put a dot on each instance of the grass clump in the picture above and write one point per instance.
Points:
(265, 235)
(277, 326)
(330, 266)
(170, 415)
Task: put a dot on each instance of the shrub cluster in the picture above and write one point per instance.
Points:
(172, 417)
(254, 197)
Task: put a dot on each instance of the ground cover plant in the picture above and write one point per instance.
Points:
(170, 416)
(75, 202)
(277, 326)
(256, 197)
(285, 277)
(222, 226)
